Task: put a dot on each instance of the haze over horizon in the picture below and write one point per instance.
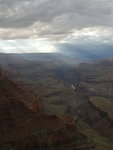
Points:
(66, 26)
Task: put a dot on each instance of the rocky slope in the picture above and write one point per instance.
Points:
(97, 112)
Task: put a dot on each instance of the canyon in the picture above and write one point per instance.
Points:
(51, 105)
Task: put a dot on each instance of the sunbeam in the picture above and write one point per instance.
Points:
(26, 46)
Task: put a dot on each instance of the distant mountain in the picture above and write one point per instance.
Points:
(74, 56)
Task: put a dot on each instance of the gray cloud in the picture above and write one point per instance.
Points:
(52, 19)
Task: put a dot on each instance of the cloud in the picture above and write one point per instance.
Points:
(50, 19)
(57, 24)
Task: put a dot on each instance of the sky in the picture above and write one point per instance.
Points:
(55, 25)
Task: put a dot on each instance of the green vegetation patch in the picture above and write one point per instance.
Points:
(103, 104)
(55, 109)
